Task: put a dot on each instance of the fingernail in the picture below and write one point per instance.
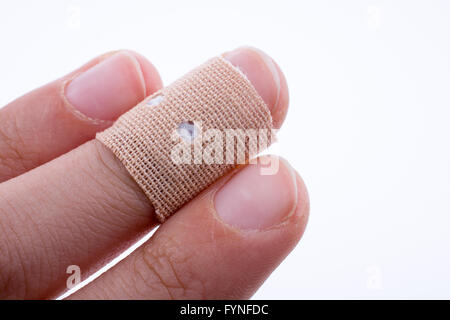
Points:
(252, 201)
(109, 88)
(261, 70)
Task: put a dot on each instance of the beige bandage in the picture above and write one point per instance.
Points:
(198, 113)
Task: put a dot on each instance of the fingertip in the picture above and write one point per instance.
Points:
(267, 78)
(258, 197)
(298, 221)
(112, 86)
(280, 110)
(152, 78)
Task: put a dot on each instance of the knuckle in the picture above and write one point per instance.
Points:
(109, 163)
(112, 179)
(119, 191)
(169, 269)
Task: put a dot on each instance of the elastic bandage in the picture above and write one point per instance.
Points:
(181, 139)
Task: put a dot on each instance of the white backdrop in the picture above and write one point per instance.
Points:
(368, 125)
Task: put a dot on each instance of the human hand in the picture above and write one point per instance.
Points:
(66, 200)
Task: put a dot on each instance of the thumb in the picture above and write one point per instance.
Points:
(222, 245)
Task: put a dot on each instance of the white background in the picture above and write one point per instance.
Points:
(368, 125)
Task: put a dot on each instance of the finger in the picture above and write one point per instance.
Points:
(257, 66)
(223, 245)
(89, 208)
(65, 113)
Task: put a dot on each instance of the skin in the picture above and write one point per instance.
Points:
(65, 199)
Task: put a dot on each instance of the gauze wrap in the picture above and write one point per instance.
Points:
(199, 113)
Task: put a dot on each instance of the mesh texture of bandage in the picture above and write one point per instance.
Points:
(171, 143)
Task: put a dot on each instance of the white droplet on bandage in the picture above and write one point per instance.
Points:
(187, 131)
(155, 101)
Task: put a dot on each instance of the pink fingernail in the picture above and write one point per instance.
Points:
(260, 70)
(108, 89)
(254, 201)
